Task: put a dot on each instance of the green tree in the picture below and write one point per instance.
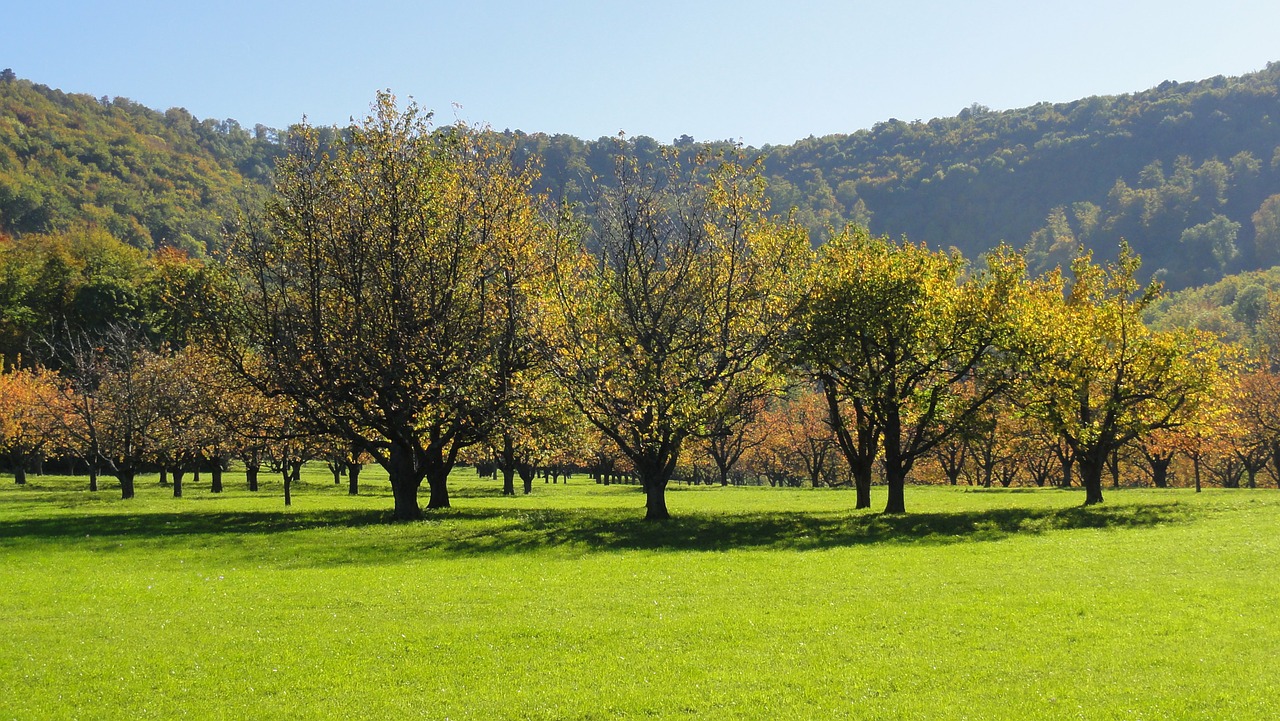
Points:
(1266, 225)
(1212, 244)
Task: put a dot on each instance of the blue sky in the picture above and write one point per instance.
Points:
(759, 72)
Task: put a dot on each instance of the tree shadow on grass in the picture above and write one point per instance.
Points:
(183, 524)
(481, 532)
(790, 530)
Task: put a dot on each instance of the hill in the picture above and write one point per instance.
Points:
(1188, 172)
(151, 179)
(1180, 170)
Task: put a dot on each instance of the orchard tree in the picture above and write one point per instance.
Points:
(113, 399)
(370, 292)
(540, 427)
(733, 429)
(1099, 377)
(671, 305)
(992, 440)
(1256, 407)
(797, 440)
(182, 430)
(1158, 449)
(25, 395)
(893, 331)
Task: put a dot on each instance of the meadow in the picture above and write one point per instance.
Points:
(751, 603)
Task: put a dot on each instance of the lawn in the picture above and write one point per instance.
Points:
(752, 603)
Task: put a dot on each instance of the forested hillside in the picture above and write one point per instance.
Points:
(1188, 172)
(1183, 171)
(150, 179)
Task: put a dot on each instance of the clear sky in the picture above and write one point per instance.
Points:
(759, 72)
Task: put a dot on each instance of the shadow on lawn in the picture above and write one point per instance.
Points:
(464, 532)
(788, 530)
(159, 525)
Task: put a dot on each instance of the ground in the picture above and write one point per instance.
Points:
(752, 603)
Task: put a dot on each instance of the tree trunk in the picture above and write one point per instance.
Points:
(336, 469)
(1091, 469)
(177, 474)
(93, 477)
(860, 453)
(288, 488)
(896, 480)
(405, 493)
(353, 479)
(527, 474)
(177, 485)
(164, 476)
(509, 466)
(862, 488)
(251, 475)
(20, 472)
(1195, 464)
(896, 465)
(406, 478)
(126, 484)
(655, 502)
(216, 475)
(438, 484)
(1160, 472)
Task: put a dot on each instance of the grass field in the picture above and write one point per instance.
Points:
(752, 603)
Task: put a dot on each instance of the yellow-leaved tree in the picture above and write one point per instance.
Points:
(670, 304)
(908, 348)
(1099, 377)
(372, 293)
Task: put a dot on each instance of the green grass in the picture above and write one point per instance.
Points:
(752, 603)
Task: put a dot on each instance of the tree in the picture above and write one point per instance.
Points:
(1158, 449)
(112, 400)
(893, 331)
(993, 450)
(732, 430)
(797, 441)
(540, 427)
(25, 395)
(687, 293)
(1255, 407)
(1099, 377)
(366, 293)
(1266, 226)
(1212, 244)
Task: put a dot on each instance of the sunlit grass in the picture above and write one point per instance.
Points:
(752, 602)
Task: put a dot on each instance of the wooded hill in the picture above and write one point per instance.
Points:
(1179, 170)
(151, 179)
(1188, 172)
